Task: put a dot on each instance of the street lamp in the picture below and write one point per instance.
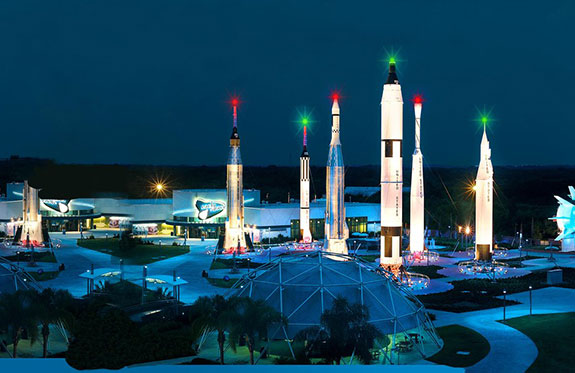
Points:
(504, 302)
(530, 300)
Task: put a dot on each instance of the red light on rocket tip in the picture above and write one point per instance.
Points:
(335, 96)
(235, 101)
(417, 99)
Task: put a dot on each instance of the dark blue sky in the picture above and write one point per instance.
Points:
(147, 81)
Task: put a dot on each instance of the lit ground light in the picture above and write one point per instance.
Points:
(551, 334)
(463, 347)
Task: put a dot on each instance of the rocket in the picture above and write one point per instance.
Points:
(416, 205)
(235, 240)
(391, 171)
(336, 231)
(484, 203)
(305, 232)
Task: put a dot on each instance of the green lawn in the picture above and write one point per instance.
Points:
(221, 283)
(553, 335)
(42, 256)
(430, 271)
(44, 276)
(457, 338)
(139, 255)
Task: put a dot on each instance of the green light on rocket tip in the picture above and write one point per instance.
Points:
(305, 121)
(392, 60)
(484, 119)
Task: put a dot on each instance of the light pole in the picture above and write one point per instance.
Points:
(504, 302)
(530, 300)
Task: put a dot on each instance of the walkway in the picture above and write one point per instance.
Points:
(511, 350)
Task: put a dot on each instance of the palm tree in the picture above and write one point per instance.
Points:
(18, 315)
(215, 313)
(344, 330)
(53, 307)
(253, 319)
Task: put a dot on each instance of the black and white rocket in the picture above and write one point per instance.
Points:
(235, 239)
(304, 171)
(391, 171)
(336, 231)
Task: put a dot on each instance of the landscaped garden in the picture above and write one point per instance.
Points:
(552, 334)
(462, 347)
(133, 250)
(477, 294)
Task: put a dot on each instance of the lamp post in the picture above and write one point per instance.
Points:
(530, 300)
(249, 260)
(504, 302)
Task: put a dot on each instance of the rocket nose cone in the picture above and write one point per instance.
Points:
(335, 107)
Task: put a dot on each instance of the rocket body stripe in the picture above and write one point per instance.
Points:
(235, 233)
(484, 204)
(416, 205)
(336, 230)
(391, 171)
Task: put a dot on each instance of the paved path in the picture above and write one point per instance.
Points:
(511, 350)
(188, 266)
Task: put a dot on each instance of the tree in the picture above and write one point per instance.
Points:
(18, 315)
(344, 330)
(215, 313)
(52, 307)
(252, 321)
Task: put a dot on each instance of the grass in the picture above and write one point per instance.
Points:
(141, 254)
(42, 257)
(229, 264)
(478, 294)
(459, 338)
(430, 271)
(221, 283)
(552, 334)
(44, 276)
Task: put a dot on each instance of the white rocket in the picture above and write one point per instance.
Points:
(31, 219)
(305, 232)
(235, 238)
(416, 205)
(391, 171)
(484, 203)
(336, 231)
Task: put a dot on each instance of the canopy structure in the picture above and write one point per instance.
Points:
(302, 286)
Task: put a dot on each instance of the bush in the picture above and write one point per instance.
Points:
(110, 340)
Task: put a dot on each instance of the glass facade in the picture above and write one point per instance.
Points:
(317, 227)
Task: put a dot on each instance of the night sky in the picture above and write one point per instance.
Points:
(147, 82)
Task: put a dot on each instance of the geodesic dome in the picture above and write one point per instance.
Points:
(302, 286)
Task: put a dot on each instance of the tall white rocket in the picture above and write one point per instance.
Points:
(235, 239)
(391, 171)
(31, 219)
(305, 232)
(416, 205)
(484, 203)
(336, 231)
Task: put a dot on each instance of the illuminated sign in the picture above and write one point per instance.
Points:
(209, 209)
(59, 205)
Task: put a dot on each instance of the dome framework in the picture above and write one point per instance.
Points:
(302, 286)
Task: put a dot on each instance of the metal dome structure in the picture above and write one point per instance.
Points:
(302, 286)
